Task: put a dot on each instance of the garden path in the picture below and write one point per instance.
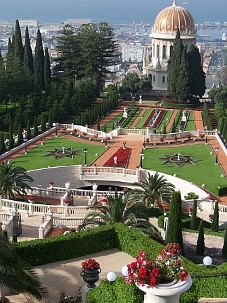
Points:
(138, 118)
(169, 125)
(198, 120)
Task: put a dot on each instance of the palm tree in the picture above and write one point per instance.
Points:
(153, 190)
(13, 179)
(17, 275)
(119, 209)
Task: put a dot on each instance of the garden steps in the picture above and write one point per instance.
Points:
(198, 120)
(57, 231)
(169, 125)
(138, 118)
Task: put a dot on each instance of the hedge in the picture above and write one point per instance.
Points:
(130, 241)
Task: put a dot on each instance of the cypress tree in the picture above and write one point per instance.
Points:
(11, 139)
(29, 135)
(50, 119)
(35, 127)
(98, 123)
(39, 63)
(164, 129)
(2, 143)
(43, 122)
(174, 65)
(19, 135)
(174, 230)
(224, 248)
(194, 216)
(18, 44)
(221, 123)
(47, 71)
(197, 83)
(215, 223)
(28, 57)
(200, 247)
(183, 89)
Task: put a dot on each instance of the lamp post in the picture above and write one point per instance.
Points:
(216, 158)
(85, 156)
(144, 141)
(56, 128)
(141, 159)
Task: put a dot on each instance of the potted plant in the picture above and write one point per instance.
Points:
(211, 217)
(161, 277)
(90, 272)
(165, 268)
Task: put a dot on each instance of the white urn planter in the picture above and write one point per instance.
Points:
(165, 294)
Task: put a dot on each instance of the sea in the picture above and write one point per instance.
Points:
(112, 11)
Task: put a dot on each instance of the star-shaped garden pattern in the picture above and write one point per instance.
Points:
(62, 152)
(178, 159)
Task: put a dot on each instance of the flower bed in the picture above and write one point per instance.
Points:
(159, 118)
(149, 118)
(119, 158)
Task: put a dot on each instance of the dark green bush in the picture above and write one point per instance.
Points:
(118, 291)
(221, 191)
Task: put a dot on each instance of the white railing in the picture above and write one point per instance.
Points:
(8, 226)
(45, 227)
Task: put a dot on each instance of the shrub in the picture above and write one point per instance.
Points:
(191, 196)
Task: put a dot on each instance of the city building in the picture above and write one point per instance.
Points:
(163, 35)
(133, 52)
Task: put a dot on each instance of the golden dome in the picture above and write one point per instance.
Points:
(173, 17)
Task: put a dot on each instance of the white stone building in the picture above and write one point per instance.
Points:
(163, 35)
(134, 52)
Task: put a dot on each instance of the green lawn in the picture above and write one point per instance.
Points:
(143, 119)
(204, 172)
(165, 119)
(190, 123)
(36, 158)
(109, 125)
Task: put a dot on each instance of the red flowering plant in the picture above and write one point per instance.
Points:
(90, 264)
(165, 268)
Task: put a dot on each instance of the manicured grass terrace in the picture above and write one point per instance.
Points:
(203, 172)
(36, 158)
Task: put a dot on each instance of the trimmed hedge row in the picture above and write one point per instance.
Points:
(128, 240)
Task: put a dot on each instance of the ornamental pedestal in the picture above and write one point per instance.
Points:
(165, 294)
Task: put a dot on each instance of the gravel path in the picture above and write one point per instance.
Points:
(213, 248)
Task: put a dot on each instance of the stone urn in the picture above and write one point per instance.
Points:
(165, 293)
(90, 277)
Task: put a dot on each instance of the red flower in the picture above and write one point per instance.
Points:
(142, 272)
(153, 282)
(155, 271)
(183, 275)
(90, 264)
(51, 183)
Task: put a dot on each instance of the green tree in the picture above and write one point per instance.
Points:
(194, 216)
(153, 190)
(119, 209)
(18, 44)
(16, 274)
(19, 135)
(39, 63)
(28, 129)
(200, 246)
(13, 179)
(2, 143)
(28, 57)
(173, 66)
(11, 139)
(174, 229)
(69, 63)
(35, 127)
(47, 71)
(130, 84)
(183, 88)
(215, 223)
(197, 80)
(224, 248)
